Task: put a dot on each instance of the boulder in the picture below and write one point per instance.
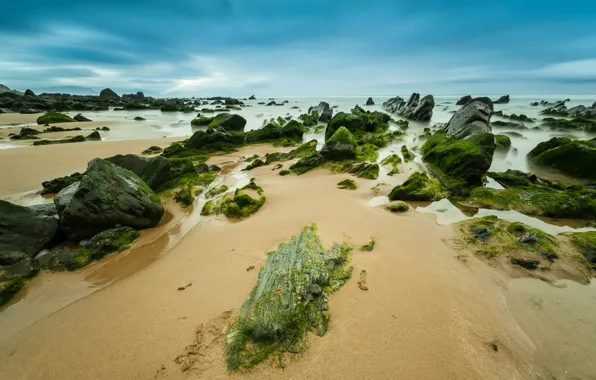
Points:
(418, 187)
(106, 197)
(139, 118)
(212, 140)
(230, 122)
(415, 108)
(24, 230)
(29, 92)
(252, 97)
(463, 100)
(54, 186)
(93, 136)
(155, 171)
(472, 118)
(370, 102)
(340, 146)
(325, 112)
(576, 158)
(80, 117)
(293, 131)
(53, 118)
(108, 241)
(47, 209)
(108, 94)
(502, 100)
(9, 258)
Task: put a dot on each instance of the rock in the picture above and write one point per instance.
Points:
(481, 233)
(325, 112)
(463, 100)
(585, 242)
(66, 259)
(418, 187)
(211, 141)
(502, 100)
(340, 146)
(503, 142)
(292, 131)
(106, 197)
(139, 118)
(155, 171)
(370, 102)
(472, 118)
(29, 92)
(525, 263)
(112, 240)
(23, 268)
(460, 163)
(576, 158)
(152, 150)
(398, 206)
(93, 136)
(53, 118)
(9, 258)
(57, 184)
(255, 164)
(252, 97)
(307, 163)
(184, 196)
(271, 103)
(105, 129)
(415, 108)
(24, 230)
(47, 209)
(365, 170)
(80, 117)
(108, 94)
(230, 122)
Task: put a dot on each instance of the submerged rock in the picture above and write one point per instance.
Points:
(106, 197)
(472, 118)
(325, 112)
(271, 321)
(24, 230)
(415, 108)
(93, 136)
(576, 158)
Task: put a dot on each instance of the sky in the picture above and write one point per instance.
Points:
(301, 47)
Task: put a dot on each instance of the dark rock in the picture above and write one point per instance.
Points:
(29, 92)
(472, 118)
(24, 230)
(325, 112)
(47, 209)
(418, 187)
(138, 118)
(105, 129)
(525, 263)
(106, 197)
(292, 131)
(370, 102)
(463, 100)
(152, 150)
(271, 103)
(93, 136)
(415, 108)
(112, 240)
(80, 117)
(108, 94)
(23, 268)
(252, 97)
(213, 141)
(502, 100)
(230, 122)
(9, 258)
(481, 233)
(57, 184)
(575, 158)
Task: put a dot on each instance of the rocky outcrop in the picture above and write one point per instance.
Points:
(502, 100)
(415, 108)
(370, 102)
(463, 100)
(210, 140)
(576, 158)
(24, 230)
(155, 171)
(472, 118)
(106, 197)
(292, 131)
(108, 94)
(229, 122)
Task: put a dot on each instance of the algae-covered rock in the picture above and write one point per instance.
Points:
(340, 146)
(152, 150)
(392, 162)
(245, 202)
(216, 191)
(272, 132)
(67, 259)
(208, 208)
(230, 122)
(575, 158)
(212, 140)
(579, 123)
(9, 287)
(460, 163)
(289, 300)
(585, 242)
(255, 164)
(365, 170)
(503, 142)
(54, 186)
(53, 118)
(348, 184)
(184, 196)
(398, 206)
(418, 187)
(408, 156)
(106, 197)
(108, 241)
(307, 163)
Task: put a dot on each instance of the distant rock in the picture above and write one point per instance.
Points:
(228, 121)
(93, 136)
(252, 98)
(472, 118)
(325, 112)
(138, 118)
(415, 108)
(28, 92)
(271, 103)
(80, 117)
(370, 102)
(463, 100)
(108, 94)
(53, 118)
(107, 196)
(24, 230)
(502, 100)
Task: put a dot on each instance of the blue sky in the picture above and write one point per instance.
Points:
(301, 47)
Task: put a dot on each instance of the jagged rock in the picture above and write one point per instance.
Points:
(370, 102)
(293, 131)
(415, 108)
(108, 94)
(24, 230)
(80, 117)
(502, 100)
(472, 118)
(463, 100)
(576, 158)
(106, 197)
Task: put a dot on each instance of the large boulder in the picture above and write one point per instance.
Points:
(228, 121)
(576, 158)
(24, 230)
(418, 187)
(415, 108)
(108, 94)
(502, 100)
(473, 117)
(340, 146)
(460, 163)
(155, 171)
(463, 100)
(106, 197)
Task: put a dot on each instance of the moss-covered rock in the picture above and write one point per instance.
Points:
(503, 142)
(255, 164)
(284, 172)
(580, 123)
(398, 206)
(108, 241)
(68, 259)
(244, 203)
(288, 134)
(418, 187)
(367, 152)
(152, 150)
(216, 191)
(54, 186)
(340, 146)
(365, 170)
(575, 158)
(184, 196)
(68, 140)
(585, 242)
(348, 184)
(392, 162)
(534, 196)
(460, 163)
(208, 208)
(408, 156)
(53, 118)
(307, 163)
(210, 141)
(289, 300)
(229, 122)
(9, 287)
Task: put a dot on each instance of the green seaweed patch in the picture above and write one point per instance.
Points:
(216, 191)
(347, 184)
(289, 300)
(367, 152)
(392, 161)
(370, 246)
(208, 208)
(408, 156)
(418, 187)
(284, 172)
(585, 242)
(398, 206)
(184, 196)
